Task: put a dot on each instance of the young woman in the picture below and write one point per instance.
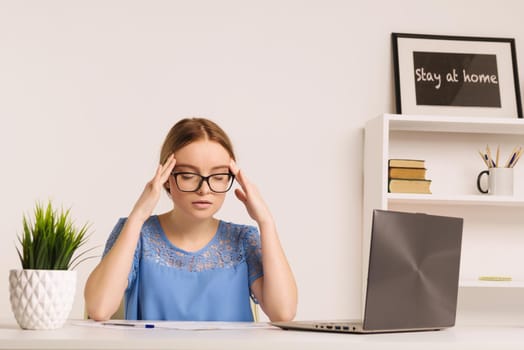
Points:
(186, 264)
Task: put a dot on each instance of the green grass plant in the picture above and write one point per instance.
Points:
(51, 239)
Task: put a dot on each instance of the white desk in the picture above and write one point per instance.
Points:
(75, 336)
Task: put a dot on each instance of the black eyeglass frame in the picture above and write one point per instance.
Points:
(204, 178)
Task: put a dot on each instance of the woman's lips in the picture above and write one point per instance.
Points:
(202, 204)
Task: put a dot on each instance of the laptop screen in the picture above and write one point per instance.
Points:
(413, 271)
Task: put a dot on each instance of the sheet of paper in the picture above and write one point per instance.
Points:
(174, 325)
(212, 325)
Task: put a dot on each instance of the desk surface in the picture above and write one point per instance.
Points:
(81, 335)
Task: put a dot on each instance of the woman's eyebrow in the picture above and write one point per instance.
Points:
(192, 167)
(177, 165)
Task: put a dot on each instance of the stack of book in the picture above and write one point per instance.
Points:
(407, 176)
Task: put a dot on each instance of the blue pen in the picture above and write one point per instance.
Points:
(488, 162)
(512, 159)
(138, 325)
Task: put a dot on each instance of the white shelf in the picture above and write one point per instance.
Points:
(408, 198)
(455, 124)
(491, 284)
(493, 225)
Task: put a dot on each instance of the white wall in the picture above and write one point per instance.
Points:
(88, 90)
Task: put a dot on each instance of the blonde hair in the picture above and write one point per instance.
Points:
(189, 130)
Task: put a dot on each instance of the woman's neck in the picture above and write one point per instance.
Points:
(187, 233)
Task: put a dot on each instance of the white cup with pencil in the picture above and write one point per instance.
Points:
(500, 177)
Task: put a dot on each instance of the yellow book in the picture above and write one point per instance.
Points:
(409, 186)
(407, 173)
(496, 278)
(407, 163)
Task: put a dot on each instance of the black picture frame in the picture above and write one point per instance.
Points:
(456, 75)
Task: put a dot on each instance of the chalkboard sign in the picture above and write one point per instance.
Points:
(455, 79)
(456, 75)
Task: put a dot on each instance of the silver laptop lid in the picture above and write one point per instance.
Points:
(413, 271)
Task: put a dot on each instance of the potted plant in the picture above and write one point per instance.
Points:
(42, 292)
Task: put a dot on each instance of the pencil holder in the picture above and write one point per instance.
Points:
(500, 181)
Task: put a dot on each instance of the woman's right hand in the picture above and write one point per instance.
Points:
(148, 200)
(107, 283)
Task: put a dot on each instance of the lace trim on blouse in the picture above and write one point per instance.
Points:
(231, 245)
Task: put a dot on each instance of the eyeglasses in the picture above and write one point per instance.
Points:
(191, 182)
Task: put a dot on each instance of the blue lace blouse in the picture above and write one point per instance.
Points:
(212, 284)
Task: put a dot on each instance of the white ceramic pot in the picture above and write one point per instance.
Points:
(41, 299)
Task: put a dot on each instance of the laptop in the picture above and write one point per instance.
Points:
(413, 274)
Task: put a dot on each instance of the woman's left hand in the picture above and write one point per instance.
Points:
(276, 291)
(249, 195)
